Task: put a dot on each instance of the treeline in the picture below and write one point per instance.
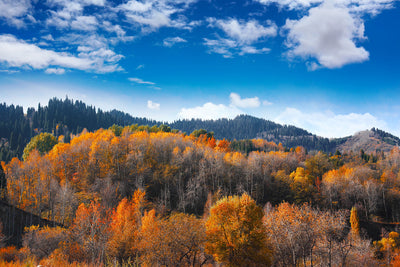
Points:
(387, 137)
(60, 117)
(66, 117)
(248, 127)
(142, 194)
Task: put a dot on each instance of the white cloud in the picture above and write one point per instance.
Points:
(241, 37)
(55, 71)
(153, 105)
(244, 32)
(253, 50)
(14, 11)
(373, 7)
(170, 41)
(266, 103)
(84, 23)
(140, 81)
(108, 26)
(18, 53)
(221, 46)
(48, 37)
(227, 48)
(328, 34)
(291, 4)
(237, 101)
(209, 111)
(152, 15)
(329, 124)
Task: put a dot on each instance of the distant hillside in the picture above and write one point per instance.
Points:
(248, 127)
(66, 117)
(370, 141)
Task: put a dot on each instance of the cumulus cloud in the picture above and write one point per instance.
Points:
(152, 105)
(329, 35)
(241, 37)
(244, 32)
(58, 71)
(237, 101)
(14, 11)
(329, 124)
(69, 13)
(170, 41)
(18, 53)
(209, 111)
(140, 81)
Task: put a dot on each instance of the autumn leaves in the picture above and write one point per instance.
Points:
(235, 232)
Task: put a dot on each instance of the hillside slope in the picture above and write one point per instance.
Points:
(370, 141)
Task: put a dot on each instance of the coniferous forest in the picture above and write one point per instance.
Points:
(96, 188)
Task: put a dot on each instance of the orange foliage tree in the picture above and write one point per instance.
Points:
(89, 234)
(125, 227)
(235, 233)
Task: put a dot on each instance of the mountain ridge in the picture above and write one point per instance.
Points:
(67, 117)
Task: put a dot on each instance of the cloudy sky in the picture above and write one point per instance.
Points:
(331, 67)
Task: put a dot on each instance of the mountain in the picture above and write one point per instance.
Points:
(248, 127)
(67, 117)
(370, 141)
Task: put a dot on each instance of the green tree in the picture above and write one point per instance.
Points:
(235, 233)
(43, 143)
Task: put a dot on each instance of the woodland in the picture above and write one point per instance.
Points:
(152, 196)
(66, 117)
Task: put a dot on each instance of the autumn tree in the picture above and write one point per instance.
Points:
(302, 185)
(235, 233)
(89, 234)
(354, 221)
(317, 165)
(43, 241)
(177, 240)
(293, 233)
(43, 143)
(125, 227)
(388, 248)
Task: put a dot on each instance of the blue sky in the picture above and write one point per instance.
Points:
(329, 66)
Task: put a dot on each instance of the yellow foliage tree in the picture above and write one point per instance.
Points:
(354, 221)
(235, 233)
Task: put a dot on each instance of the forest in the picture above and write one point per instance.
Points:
(68, 117)
(150, 196)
